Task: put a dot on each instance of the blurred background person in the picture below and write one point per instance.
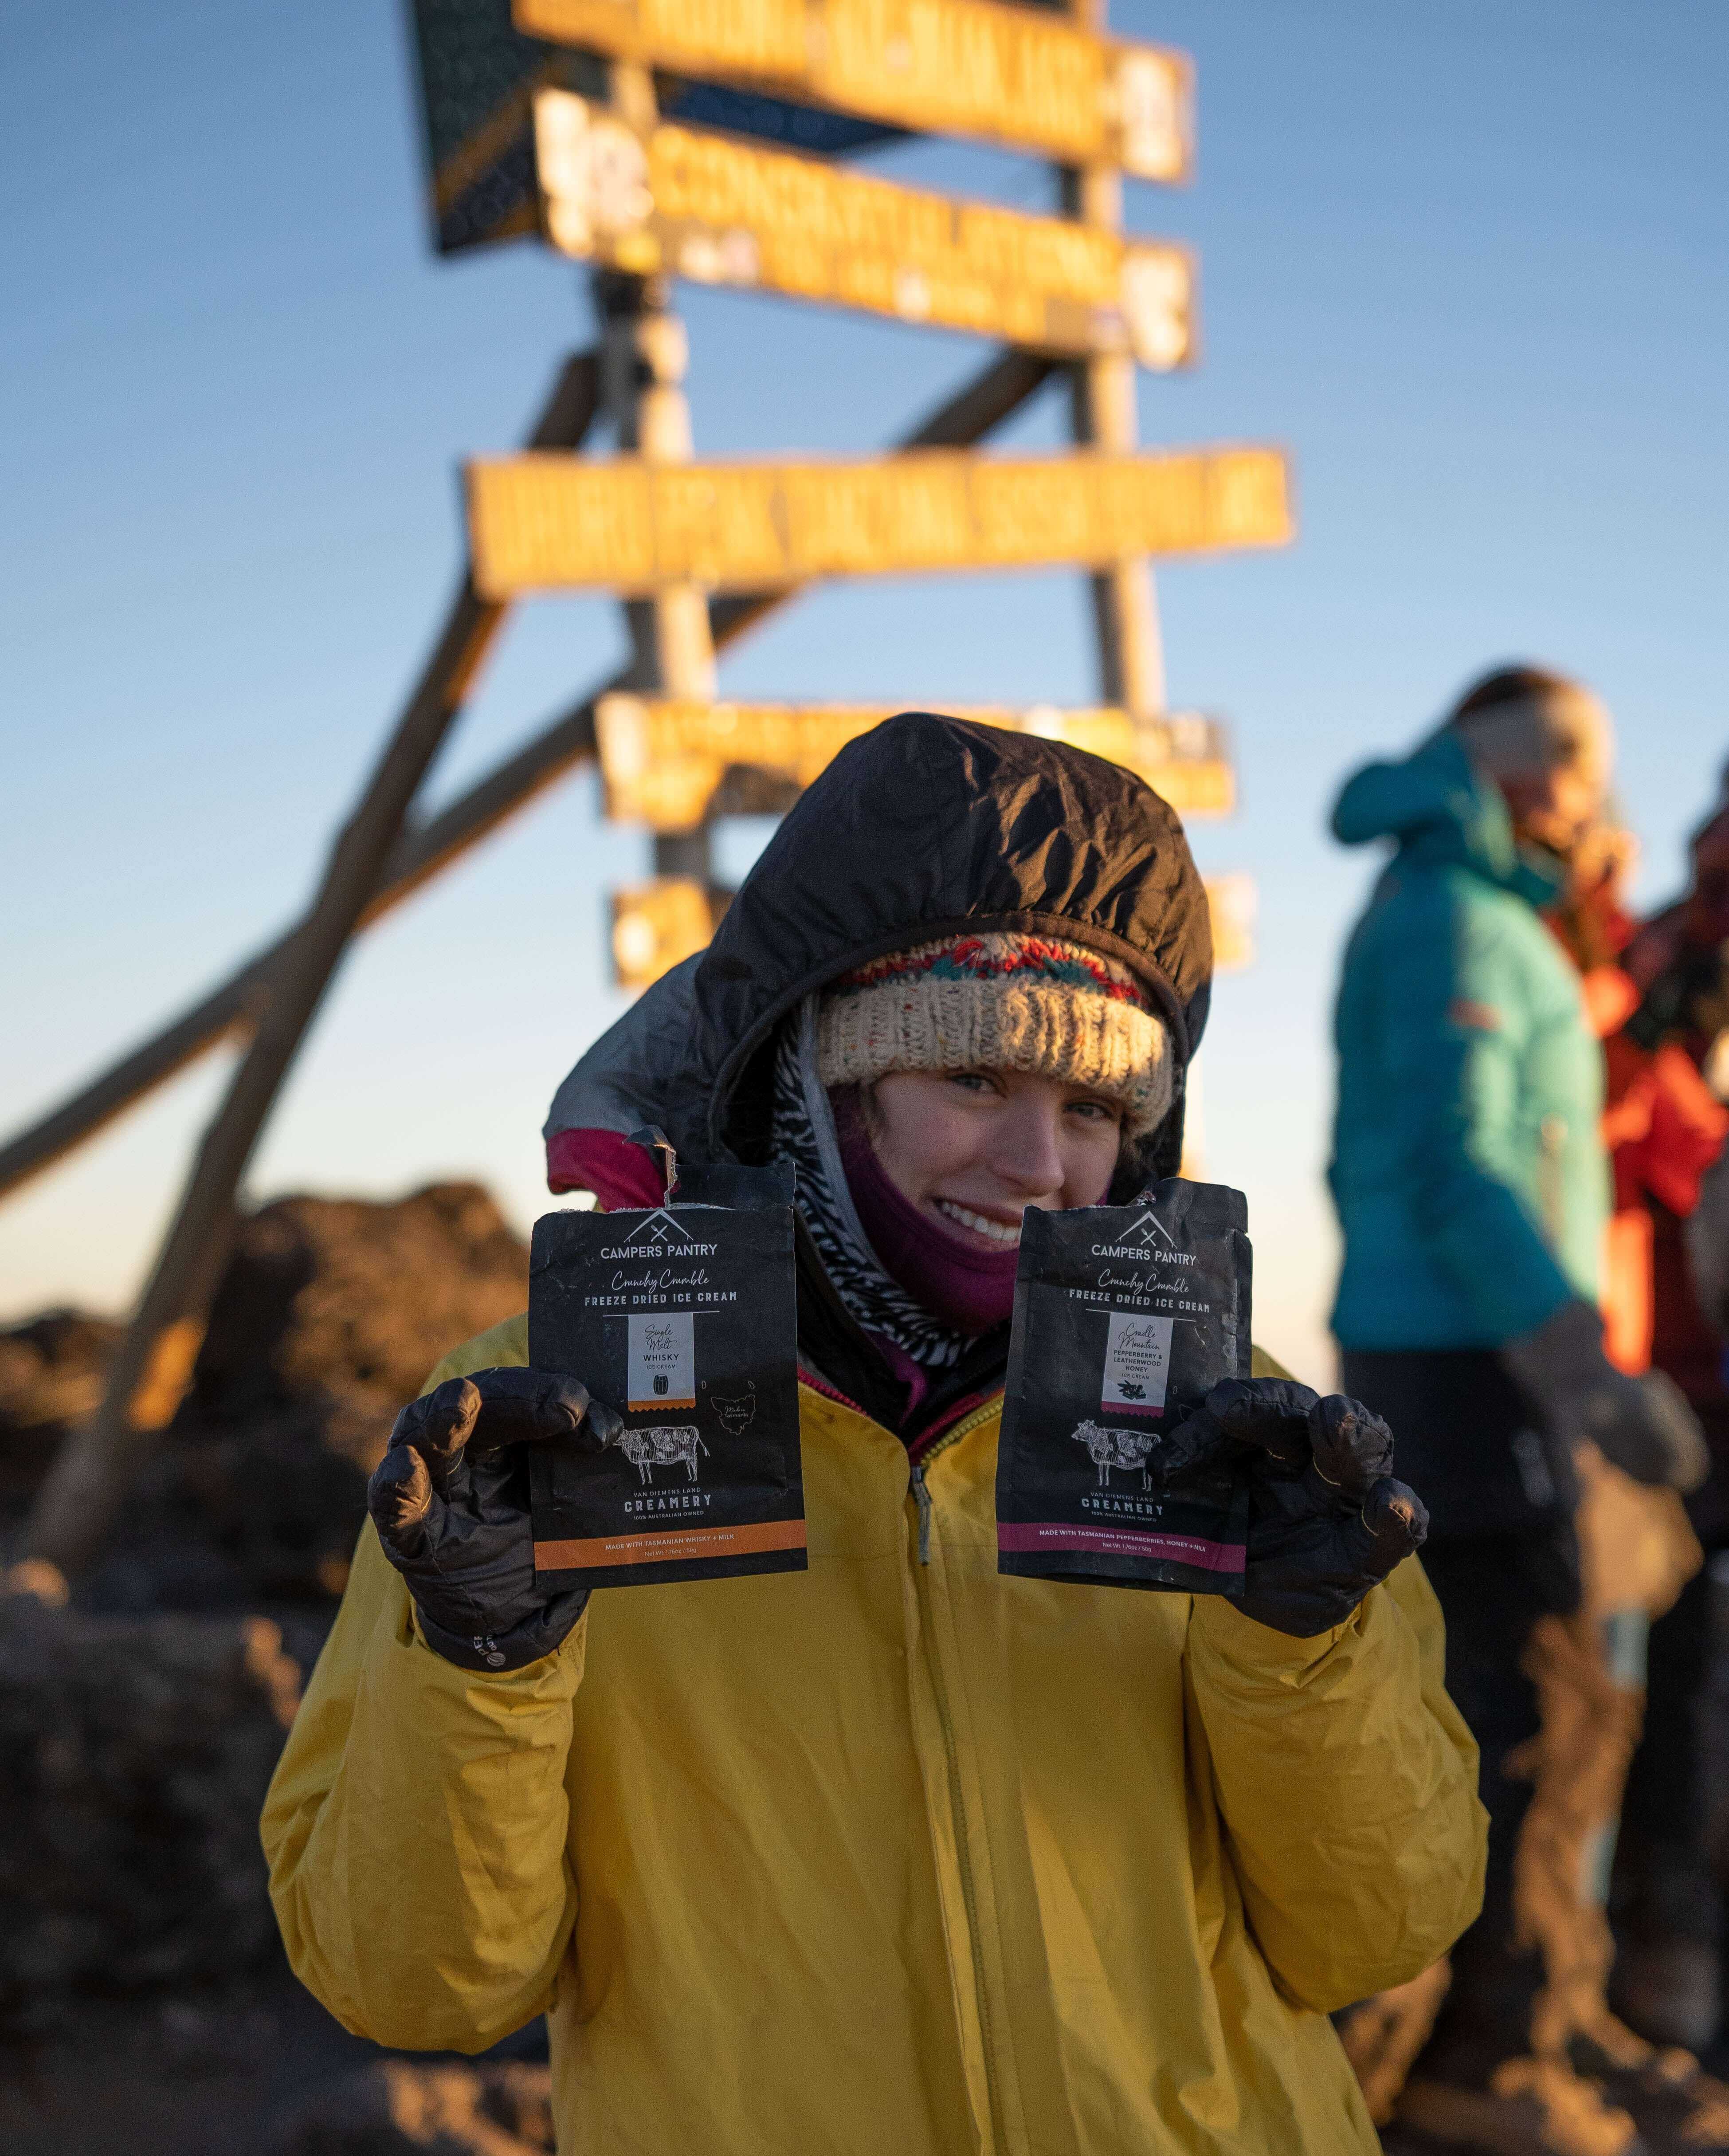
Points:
(1473, 1189)
(1658, 992)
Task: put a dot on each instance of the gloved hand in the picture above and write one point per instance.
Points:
(1643, 1425)
(450, 1500)
(1326, 1521)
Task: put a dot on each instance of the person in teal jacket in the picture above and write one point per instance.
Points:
(1473, 1190)
(1467, 1168)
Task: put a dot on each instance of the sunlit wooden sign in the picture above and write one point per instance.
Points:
(551, 522)
(728, 212)
(658, 924)
(671, 764)
(1234, 901)
(1016, 75)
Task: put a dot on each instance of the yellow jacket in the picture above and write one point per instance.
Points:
(890, 1857)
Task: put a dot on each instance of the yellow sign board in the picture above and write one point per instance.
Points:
(671, 764)
(724, 211)
(1234, 901)
(658, 924)
(552, 521)
(1015, 75)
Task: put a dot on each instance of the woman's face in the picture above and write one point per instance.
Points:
(974, 1148)
(1557, 807)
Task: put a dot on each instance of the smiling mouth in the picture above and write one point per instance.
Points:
(993, 1231)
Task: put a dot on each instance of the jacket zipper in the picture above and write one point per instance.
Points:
(915, 1480)
(967, 1423)
(958, 1808)
(921, 1497)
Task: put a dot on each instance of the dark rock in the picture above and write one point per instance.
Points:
(133, 1758)
(138, 1729)
(51, 1377)
(397, 2109)
(50, 1368)
(329, 1316)
(342, 1306)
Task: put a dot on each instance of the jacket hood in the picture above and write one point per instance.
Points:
(923, 828)
(1446, 813)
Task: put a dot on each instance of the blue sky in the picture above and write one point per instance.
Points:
(1468, 265)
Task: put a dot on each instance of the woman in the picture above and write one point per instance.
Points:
(895, 1854)
(1472, 1189)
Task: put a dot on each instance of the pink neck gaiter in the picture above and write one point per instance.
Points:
(969, 1289)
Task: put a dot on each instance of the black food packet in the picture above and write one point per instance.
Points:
(683, 1319)
(1125, 1316)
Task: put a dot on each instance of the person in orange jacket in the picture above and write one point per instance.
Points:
(1657, 991)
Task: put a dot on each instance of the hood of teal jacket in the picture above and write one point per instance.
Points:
(1444, 814)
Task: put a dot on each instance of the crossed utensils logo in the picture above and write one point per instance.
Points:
(1148, 1230)
(658, 1232)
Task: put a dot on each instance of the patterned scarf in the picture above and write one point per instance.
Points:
(803, 1133)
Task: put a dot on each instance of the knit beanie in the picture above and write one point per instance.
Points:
(1521, 722)
(1000, 1002)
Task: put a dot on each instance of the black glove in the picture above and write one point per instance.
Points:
(450, 1500)
(1327, 1522)
(1643, 1425)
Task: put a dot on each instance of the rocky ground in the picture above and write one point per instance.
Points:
(253, 2067)
(145, 2004)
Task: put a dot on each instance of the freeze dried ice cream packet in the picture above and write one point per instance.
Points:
(682, 1318)
(1125, 1316)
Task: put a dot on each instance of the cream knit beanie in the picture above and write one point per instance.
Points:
(1521, 721)
(1004, 1003)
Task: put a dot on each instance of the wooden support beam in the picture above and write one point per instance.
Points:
(975, 411)
(1132, 665)
(153, 1363)
(644, 355)
(468, 630)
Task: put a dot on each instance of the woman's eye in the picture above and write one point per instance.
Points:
(975, 1081)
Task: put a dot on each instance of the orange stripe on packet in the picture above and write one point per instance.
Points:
(667, 1545)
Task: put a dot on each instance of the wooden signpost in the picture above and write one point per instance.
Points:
(552, 523)
(664, 137)
(723, 211)
(674, 766)
(1025, 77)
